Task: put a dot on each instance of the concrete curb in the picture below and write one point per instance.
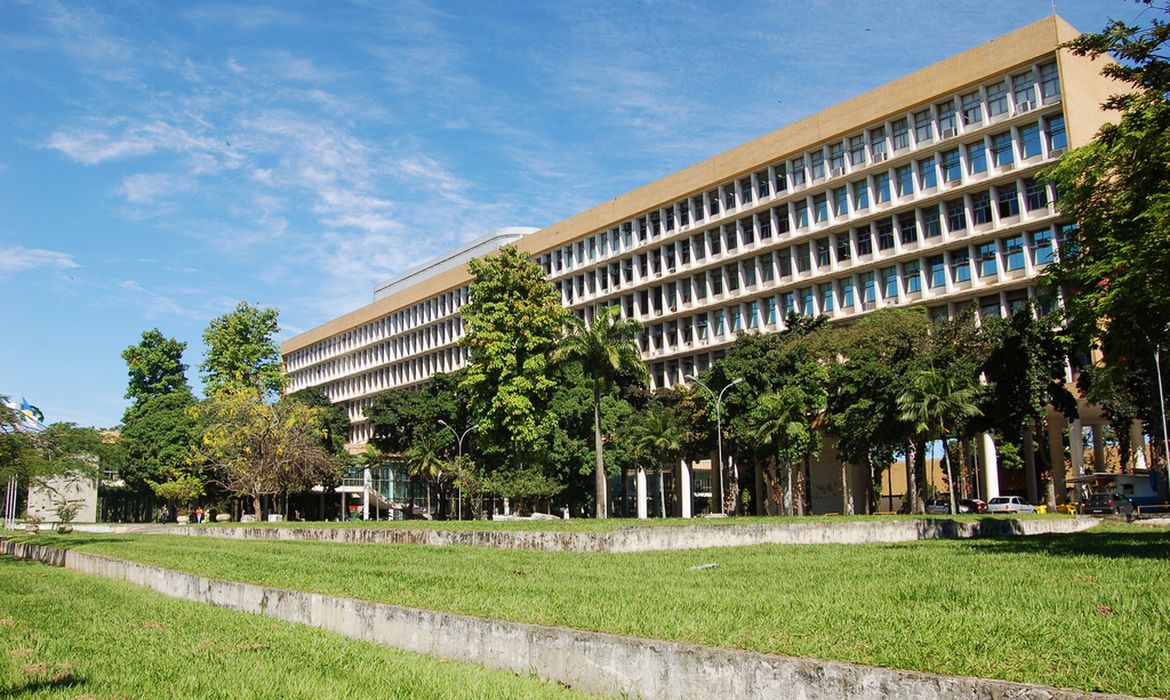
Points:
(650, 539)
(600, 663)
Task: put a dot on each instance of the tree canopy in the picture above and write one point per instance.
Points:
(242, 351)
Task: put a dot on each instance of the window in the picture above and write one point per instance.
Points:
(985, 257)
(840, 201)
(1049, 82)
(714, 241)
(907, 228)
(767, 271)
(847, 297)
(801, 211)
(885, 234)
(1009, 201)
(860, 195)
(912, 276)
(732, 272)
(1023, 89)
(905, 180)
(931, 225)
(700, 284)
(821, 207)
(900, 130)
(972, 108)
(981, 207)
(754, 314)
(749, 274)
(771, 306)
(784, 258)
(798, 174)
(716, 278)
(806, 301)
(946, 117)
(960, 265)
(1041, 247)
(1001, 148)
(923, 130)
(864, 240)
(976, 157)
(997, 100)
(1035, 195)
(764, 221)
(788, 302)
(881, 186)
(745, 189)
(936, 272)
(857, 150)
(701, 326)
(826, 297)
(890, 282)
(729, 196)
(1013, 253)
(803, 261)
(684, 213)
(712, 203)
(989, 306)
(877, 140)
(816, 161)
(824, 252)
(956, 215)
(844, 251)
(762, 184)
(670, 219)
(951, 166)
(927, 174)
(868, 288)
(1057, 138)
(1030, 140)
(837, 157)
(781, 177)
(699, 245)
(783, 225)
(720, 322)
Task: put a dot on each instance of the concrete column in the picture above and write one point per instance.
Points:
(1056, 456)
(685, 498)
(1137, 440)
(989, 463)
(640, 479)
(366, 493)
(1030, 467)
(1076, 450)
(1098, 447)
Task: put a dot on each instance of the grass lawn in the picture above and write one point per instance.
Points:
(68, 635)
(1088, 610)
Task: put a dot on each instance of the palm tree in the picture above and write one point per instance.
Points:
(658, 434)
(781, 420)
(604, 349)
(424, 459)
(932, 403)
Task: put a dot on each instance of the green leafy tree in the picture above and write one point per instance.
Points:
(334, 419)
(931, 403)
(242, 351)
(656, 436)
(425, 461)
(604, 349)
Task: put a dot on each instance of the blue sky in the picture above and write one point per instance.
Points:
(161, 161)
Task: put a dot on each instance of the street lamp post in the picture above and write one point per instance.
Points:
(459, 440)
(718, 425)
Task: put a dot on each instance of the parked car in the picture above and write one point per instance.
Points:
(1009, 504)
(942, 506)
(974, 505)
(1109, 504)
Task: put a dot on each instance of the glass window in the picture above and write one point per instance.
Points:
(976, 157)
(1001, 148)
(1057, 138)
(981, 207)
(700, 282)
(714, 241)
(885, 233)
(824, 252)
(1030, 140)
(946, 117)
(837, 157)
(767, 270)
(1041, 247)
(762, 187)
(732, 272)
(771, 310)
(905, 180)
(807, 301)
(881, 186)
(798, 174)
(900, 131)
(1013, 253)
(907, 228)
(747, 231)
(729, 196)
(1049, 82)
(783, 224)
(764, 221)
(713, 203)
(821, 207)
(890, 282)
(745, 189)
(803, 257)
(927, 175)
(840, 201)
(868, 288)
(754, 314)
(864, 239)
(826, 297)
(857, 150)
(699, 245)
(720, 322)
(1023, 89)
(844, 250)
(877, 140)
(923, 126)
(997, 98)
(847, 297)
(749, 274)
(951, 165)
(986, 259)
(931, 225)
(860, 195)
(1035, 195)
(989, 306)
(788, 302)
(1009, 201)
(801, 212)
(936, 271)
(972, 108)
(784, 258)
(816, 162)
(781, 176)
(716, 278)
(960, 265)
(912, 276)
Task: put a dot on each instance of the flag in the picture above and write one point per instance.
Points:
(31, 411)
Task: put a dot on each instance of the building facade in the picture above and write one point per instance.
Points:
(922, 191)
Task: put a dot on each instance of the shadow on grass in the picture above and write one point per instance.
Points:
(1108, 544)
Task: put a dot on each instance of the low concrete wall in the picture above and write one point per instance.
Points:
(659, 538)
(599, 663)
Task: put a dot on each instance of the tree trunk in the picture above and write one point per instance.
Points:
(911, 479)
(920, 468)
(599, 486)
(661, 493)
(846, 496)
(788, 502)
(950, 477)
(256, 506)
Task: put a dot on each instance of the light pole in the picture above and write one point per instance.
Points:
(459, 440)
(718, 424)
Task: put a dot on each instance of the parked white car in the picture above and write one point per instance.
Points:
(1009, 504)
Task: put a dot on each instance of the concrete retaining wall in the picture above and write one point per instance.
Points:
(659, 538)
(599, 663)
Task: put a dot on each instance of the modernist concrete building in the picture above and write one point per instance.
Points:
(922, 191)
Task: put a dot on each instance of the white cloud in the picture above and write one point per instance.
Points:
(146, 188)
(19, 259)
